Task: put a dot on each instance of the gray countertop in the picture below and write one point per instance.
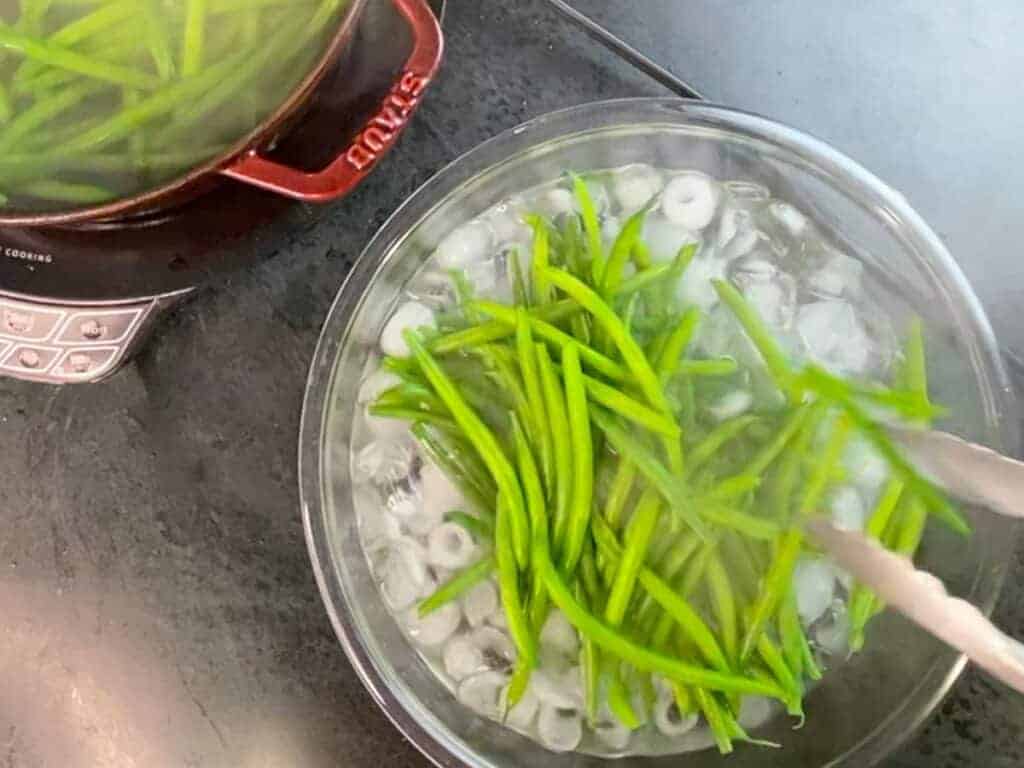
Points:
(156, 603)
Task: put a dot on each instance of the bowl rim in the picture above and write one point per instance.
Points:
(996, 391)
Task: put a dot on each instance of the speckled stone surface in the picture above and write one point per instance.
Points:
(156, 602)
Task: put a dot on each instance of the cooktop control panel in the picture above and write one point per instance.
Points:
(69, 343)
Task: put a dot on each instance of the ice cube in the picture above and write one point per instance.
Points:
(747, 191)
(610, 228)
(695, 288)
(506, 221)
(814, 581)
(557, 201)
(482, 693)
(769, 290)
(848, 509)
(462, 658)
(480, 602)
(413, 315)
(839, 276)
(865, 466)
(434, 628)
(730, 405)
(610, 731)
(386, 462)
(833, 336)
(439, 496)
(794, 221)
(562, 689)
(560, 730)
(559, 635)
(669, 720)
(449, 545)
(521, 716)
(464, 245)
(377, 527)
(664, 238)
(634, 186)
(404, 573)
(832, 635)
(690, 200)
(376, 384)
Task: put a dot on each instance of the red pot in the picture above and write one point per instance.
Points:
(244, 162)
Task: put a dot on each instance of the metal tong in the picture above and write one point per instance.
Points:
(972, 473)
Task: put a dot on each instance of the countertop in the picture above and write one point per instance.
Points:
(157, 606)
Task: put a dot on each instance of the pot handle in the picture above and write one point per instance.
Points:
(381, 131)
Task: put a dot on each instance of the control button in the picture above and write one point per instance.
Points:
(28, 322)
(108, 326)
(29, 359)
(84, 363)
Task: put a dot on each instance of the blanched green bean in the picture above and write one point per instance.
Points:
(578, 519)
(554, 403)
(561, 339)
(485, 333)
(643, 658)
(508, 587)
(638, 537)
(540, 429)
(483, 440)
(774, 358)
(457, 585)
(591, 228)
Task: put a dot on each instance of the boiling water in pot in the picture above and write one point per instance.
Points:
(104, 99)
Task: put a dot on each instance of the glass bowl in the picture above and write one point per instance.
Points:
(864, 707)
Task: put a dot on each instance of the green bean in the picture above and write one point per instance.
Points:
(192, 39)
(622, 485)
(578, 519)
(759, 528)
(504, 374)
(480, 528)
(675, 345)
(631, 352)
(5, 105)
(776, 663)
(485, 333)
(559, 338)
(908, 538)
(541, 250)
(934, 499)
(640, 657)
(42, 112)
(485, 443)
(774, 358)
(619, 703)
(862, 600)
(715, 717)
(555, 407)
(590, 664)
(638, 537)
(508, 587)
(723, 603)
(644, 279)
(458, 464)
(719, 436)
(591, 228)
(730, 488)
(535, 397)
(457, 585)
(83, 194)
(156, 39)
(520, 293)
(86, 26)
(286, 39)
(622, 250)
(51, 79)
(675, 606)
(159, 103)
(413, 414)
(539, 526)
(671, 488)
(55, 56)
(795, 647)
(768, 453)
(614, 400)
